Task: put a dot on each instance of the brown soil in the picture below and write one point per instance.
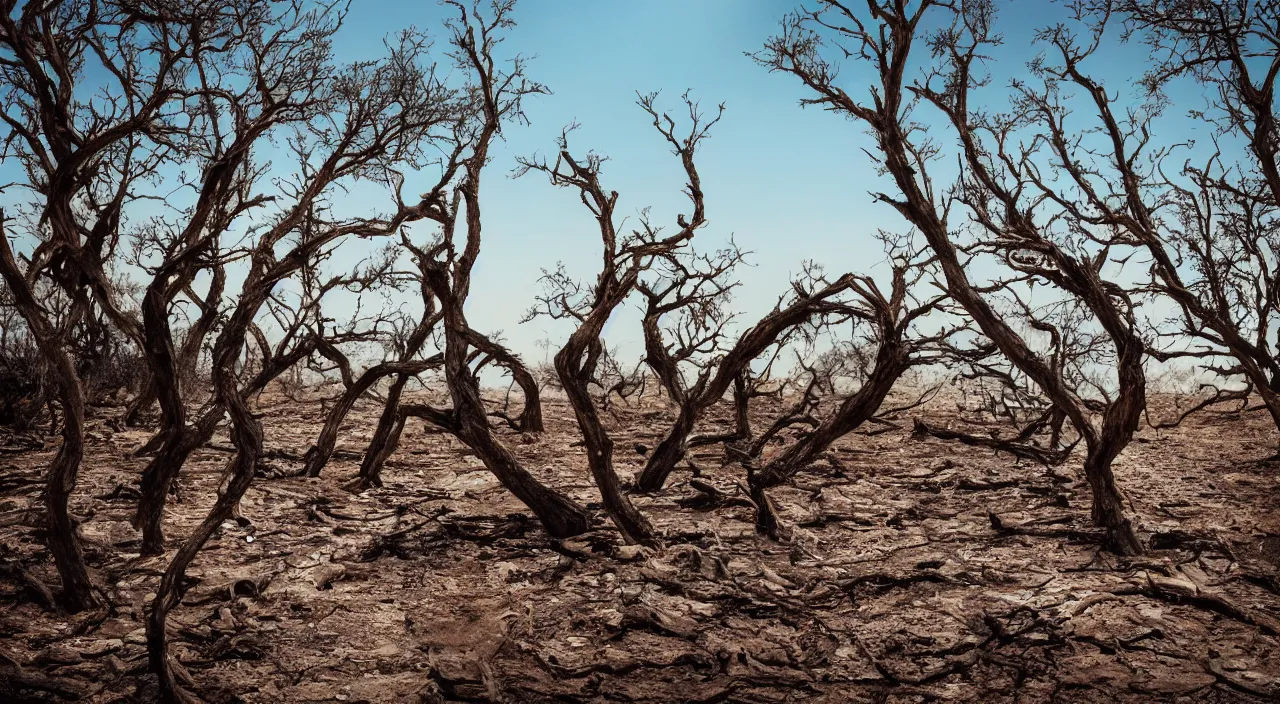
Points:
(917, 570)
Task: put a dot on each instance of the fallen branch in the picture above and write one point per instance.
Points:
(14, 679)
(1021, 450)
(1001, 526)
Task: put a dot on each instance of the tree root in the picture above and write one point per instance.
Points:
(14, 679)
(1180, 590)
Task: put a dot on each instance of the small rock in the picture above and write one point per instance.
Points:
(508, 572)
(323, 576)
(775, 578)
(225, 621)
(576, 546)
(629, 553)
(138, 636)
(611, 618)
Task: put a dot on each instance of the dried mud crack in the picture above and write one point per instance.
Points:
(922, 572)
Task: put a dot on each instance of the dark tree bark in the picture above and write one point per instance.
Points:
(711, 386)
(888, 37)
(320, 453)
(60, 480)
(899, 346)
(381, 115)
(176, 447)
(386, 437)
(246, 435)
(530, 420)
(447, 270)
(891, 361)
(623, 262)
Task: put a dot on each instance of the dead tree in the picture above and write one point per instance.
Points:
(403, 364)
(890, 321)
(364, 120)
(690, 291)
(386, 436)
(320, 452)
(820, 377)
(84, 157)
(1009, 216)
(83, 151)
(500, 94)
(1213, 246)
(486, 350)
(806, 388)
(60, 480)
(228, 118)
(1011, 409)
(624, 260)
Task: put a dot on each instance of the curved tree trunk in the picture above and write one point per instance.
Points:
(891, 361)
(140, 405)
(177, 445)
(386, 437)
(560, 515)
(1108, 504)
(1118, 426)
(320, 453)
(531, 416)
(634, 526)
(710, 390)
(160, 473)
(317, 456)
(246, 435)
(164, 385)
(668, 452)
(60, 481)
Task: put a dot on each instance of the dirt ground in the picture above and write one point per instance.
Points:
(917, 570)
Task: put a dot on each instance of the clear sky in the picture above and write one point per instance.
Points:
(783, 182)
(788, 184)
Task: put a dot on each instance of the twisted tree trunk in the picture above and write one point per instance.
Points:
(60, 481)
(177, 444)
(891, 361)
(320, 453)
(559, 514)
(246, 435)
(386, 437)
(574, 378)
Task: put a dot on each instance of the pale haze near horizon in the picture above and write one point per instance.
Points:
(787, 184)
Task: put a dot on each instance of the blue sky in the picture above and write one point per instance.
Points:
(788, 184)
(777, 179)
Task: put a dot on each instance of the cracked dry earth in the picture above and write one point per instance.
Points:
(916, 570)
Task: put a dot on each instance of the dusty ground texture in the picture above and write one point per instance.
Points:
(897, 584)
